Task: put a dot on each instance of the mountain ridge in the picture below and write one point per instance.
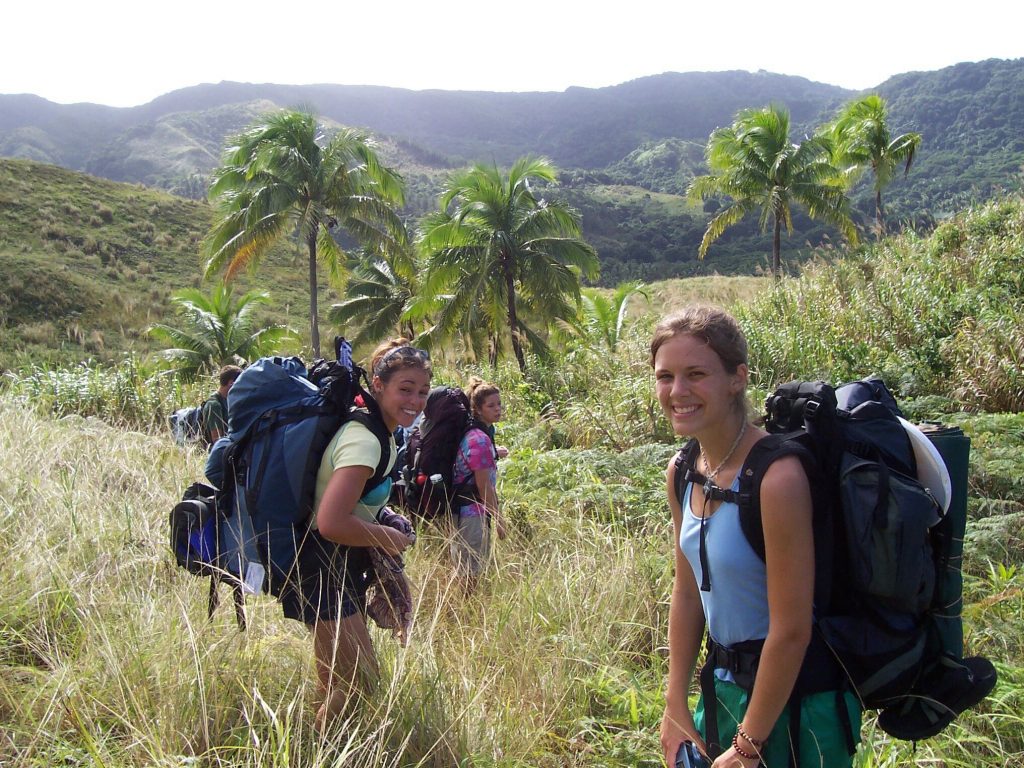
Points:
(627, 152)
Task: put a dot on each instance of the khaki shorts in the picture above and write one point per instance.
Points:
(470, 547)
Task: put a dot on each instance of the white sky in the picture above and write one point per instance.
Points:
(126, 53)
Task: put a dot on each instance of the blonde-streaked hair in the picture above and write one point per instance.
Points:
(716, 328)
(478, 390)
(398, 354)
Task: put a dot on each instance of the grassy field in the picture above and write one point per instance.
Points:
(107, 658)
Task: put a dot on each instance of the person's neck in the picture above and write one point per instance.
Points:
(717, 444)
(391, 424)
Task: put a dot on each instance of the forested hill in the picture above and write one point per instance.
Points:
(971, 118)
(627, 152)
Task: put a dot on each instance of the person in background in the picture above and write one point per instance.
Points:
(752, 608)
(475, 475)
(214, 418)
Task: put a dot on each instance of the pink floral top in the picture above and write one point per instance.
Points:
(476, 451)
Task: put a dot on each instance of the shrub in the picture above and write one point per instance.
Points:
(933, 317)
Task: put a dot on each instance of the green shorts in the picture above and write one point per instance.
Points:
(822, 736)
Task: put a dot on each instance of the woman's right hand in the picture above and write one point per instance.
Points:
(393, 541)
(677, 727)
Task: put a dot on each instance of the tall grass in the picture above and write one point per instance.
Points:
(132, 394)
(107, 658)
(939, 316)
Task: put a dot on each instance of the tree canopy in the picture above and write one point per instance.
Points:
(218, 329)
(861, 141)
(284, 175)
(499, 253)
(756, 167)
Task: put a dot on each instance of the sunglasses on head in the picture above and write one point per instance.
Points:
(407, 352)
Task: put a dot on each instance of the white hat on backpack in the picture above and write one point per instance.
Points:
(931, 469)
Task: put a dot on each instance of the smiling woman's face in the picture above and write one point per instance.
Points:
(402, 397)
(695, 391)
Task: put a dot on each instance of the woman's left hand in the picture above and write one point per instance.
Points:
(733, 759)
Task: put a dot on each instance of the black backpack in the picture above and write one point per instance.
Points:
(430, 490)
(887, 561)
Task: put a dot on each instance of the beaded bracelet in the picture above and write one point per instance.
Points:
(740, 751)
(755, 743)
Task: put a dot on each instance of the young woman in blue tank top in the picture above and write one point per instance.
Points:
(699, 357)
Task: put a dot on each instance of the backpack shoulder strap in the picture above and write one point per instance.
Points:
(763, 454)
(686, 472)
(372, 421)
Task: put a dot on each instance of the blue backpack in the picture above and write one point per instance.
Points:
(280, 419)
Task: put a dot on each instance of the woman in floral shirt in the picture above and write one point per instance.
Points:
(476, 471)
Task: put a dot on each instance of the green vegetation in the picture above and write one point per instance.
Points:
(861, 142)
(108, 658)
(497, 253)
(936, 317)
(377, 296)
(645, 137)
(756, 167)
(276, 177)
(219, 330)
(105, 654)
(89, 264)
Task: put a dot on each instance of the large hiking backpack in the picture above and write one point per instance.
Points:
(430, 489)
(280, 420)
(886, 556)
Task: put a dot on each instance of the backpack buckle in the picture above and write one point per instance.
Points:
(811, 408)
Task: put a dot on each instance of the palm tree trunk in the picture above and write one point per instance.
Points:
(513, 318)
(314, 326)
(777, 249)
(879, 215)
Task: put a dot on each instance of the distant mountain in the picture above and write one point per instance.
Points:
(622, 148)
(580, 127)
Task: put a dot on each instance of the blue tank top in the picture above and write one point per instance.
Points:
(736, 608)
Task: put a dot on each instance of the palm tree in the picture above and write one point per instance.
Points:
(603, 318)
(282, 175)
(377, 299)
(496, 249)
(756, 166)
(860, 140)
(217, 330)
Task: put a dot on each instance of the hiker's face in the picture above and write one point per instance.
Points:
(695, 391)
(401, 398)
(489, 410)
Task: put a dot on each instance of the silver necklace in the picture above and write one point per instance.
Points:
(735, 444)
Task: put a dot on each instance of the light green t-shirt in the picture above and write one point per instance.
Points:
(355, 446)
